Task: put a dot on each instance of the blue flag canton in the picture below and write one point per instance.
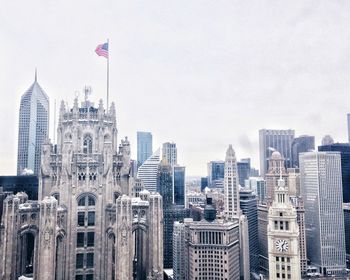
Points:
(105, 46)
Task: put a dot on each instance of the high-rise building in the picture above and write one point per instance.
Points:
(231, 186)
(171, 212)
(175, 213)
(249, 207)
(262, 239)
(344, 149)
(271, 140)
(348, 118)
(144, 146)
(211, 248)
(321, 190)
(165, 184)
(346, 208)
(293, 181)
(258, 186)
(283, 236)
(148, 171)
(204, 183)
(301, 144)
(243, 169)
(180, 250)
(85, 224)
(179, 185)
(33, 128)
(169, 153)
(216, 170)
(276, 167)
(327, 140)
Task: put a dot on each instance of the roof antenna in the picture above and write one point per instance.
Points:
(36, 75)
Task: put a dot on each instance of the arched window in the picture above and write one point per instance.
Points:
(87, 145)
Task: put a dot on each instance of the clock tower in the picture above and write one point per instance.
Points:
(283, 237)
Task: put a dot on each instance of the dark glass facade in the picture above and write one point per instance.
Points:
(216, 173)
(249, 206)
(171, 215)
(144, 146)
(243, 170)
(204, 183)
(179, 185)
(301, 144)
(344, 149)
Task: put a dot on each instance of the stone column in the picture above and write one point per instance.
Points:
(156, 236)
(124, 243)
(47, 239)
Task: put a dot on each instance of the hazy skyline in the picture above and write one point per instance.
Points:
(204, 74)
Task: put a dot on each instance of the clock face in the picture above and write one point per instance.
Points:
(282, 245)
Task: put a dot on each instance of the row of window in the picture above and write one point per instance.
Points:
(282, 225)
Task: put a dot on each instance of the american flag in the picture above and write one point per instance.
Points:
(102, 50)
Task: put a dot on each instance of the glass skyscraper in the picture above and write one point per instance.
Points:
(249, 206)
(216, 170)
(301, 144)
(321, 190)
(275, 140)
(33, 128)
(144, 146)
(179, 185)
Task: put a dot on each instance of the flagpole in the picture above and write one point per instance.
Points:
(108, 76)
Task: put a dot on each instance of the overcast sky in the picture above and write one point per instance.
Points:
(201, 73)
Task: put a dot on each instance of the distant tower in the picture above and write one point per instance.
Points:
(283, 237)
(169, 153)
(321, 190)
(301, 144)
(216, 170)
(327, 140)
(231, 186)
(148, 172)
(275, 139)
(144, 146)
(33, 127)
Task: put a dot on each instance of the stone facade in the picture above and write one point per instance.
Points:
(86, 224)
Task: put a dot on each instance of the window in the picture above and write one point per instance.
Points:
(91, 218)
(287, 225)
(78, 277)
(81, 219)
(91, 201)
(80, 261)
(86, 200)
(89, 260)
(80, 239)
(89, 277)
(87, 145)
(90, 239)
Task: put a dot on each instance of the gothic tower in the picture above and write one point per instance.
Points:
(283, 236)
(86, 224)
